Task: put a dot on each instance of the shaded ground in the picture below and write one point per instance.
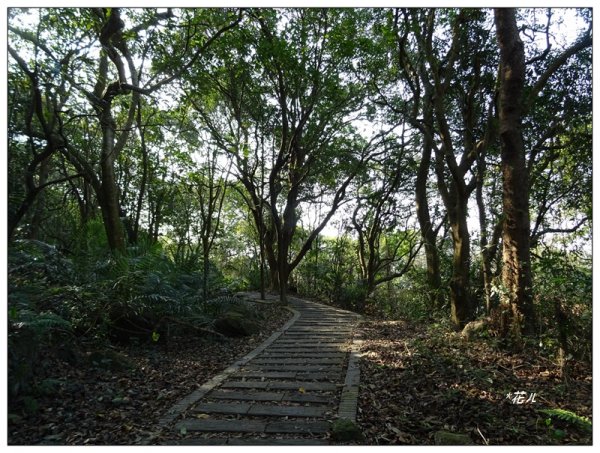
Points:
(418, 380)
(118, 402)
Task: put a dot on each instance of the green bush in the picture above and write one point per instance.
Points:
(563, 288)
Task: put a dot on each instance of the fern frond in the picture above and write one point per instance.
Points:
(569, 417)
(39, 323)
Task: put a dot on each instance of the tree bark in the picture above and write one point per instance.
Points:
(516, 271)
(428, 233)
(109, 196)
(461, 307)
(40, 204)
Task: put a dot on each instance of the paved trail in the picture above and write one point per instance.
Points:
(285, 392)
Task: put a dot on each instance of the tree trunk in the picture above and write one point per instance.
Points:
(109, 196)
(262, 266)
(205, 269)
(144, 181)
(40, 204)
(428, 233)
(488, 247)
(516, 270)
(283, 247)
(461, 307)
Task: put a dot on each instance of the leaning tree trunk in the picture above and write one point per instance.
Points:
(516, 270)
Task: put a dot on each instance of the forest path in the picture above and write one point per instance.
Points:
(288, 391)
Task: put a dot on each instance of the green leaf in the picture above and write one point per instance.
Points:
(569, 417)
(155, 336)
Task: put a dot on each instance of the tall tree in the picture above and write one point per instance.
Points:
(112, 88)
(516, 258)
(397, 70)
(387, 242)
(296, 68)
(461, 76)
(515, 103)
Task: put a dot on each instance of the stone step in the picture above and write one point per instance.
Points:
(245, 441)
(269, 441)
(317, 332)
(320, 322)
(320, 329)
(256, 409)
(297, 385)
(309, 343)
(265, 374)
(298, 426)
(311, 332)
(286, 411)
(284, 367)
(254, 426)
(235, 426)
(311, 353)
(297, 360)
(312, 338)
(272, 385)
(299, 352)
(246, 396)
(294, 397)
(223, 408)
(292, 349)
(326, 319)
(314, 376)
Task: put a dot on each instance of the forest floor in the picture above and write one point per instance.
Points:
(117, 402)
(420, 380)
(417, 381)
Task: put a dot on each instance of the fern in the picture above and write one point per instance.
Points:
(40, 323)
(570, 418)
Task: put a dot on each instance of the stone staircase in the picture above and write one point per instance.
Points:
(286, 392)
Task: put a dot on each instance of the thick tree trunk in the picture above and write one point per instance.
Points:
(516, 270)
(427, 231)
(461, 307)
(283, 248)
(271, 257)
(109, 196)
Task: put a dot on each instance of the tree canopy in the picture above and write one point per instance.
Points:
(238, 141)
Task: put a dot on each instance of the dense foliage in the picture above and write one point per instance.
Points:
(159, 159)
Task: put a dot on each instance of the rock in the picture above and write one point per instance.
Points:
(49, 387)
(235, 324)
(474, 327)
(110, 360)
(344, 430)
(14, 419)
(449, 438)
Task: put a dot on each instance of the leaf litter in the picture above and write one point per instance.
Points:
(94, 405)
(417, 380)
